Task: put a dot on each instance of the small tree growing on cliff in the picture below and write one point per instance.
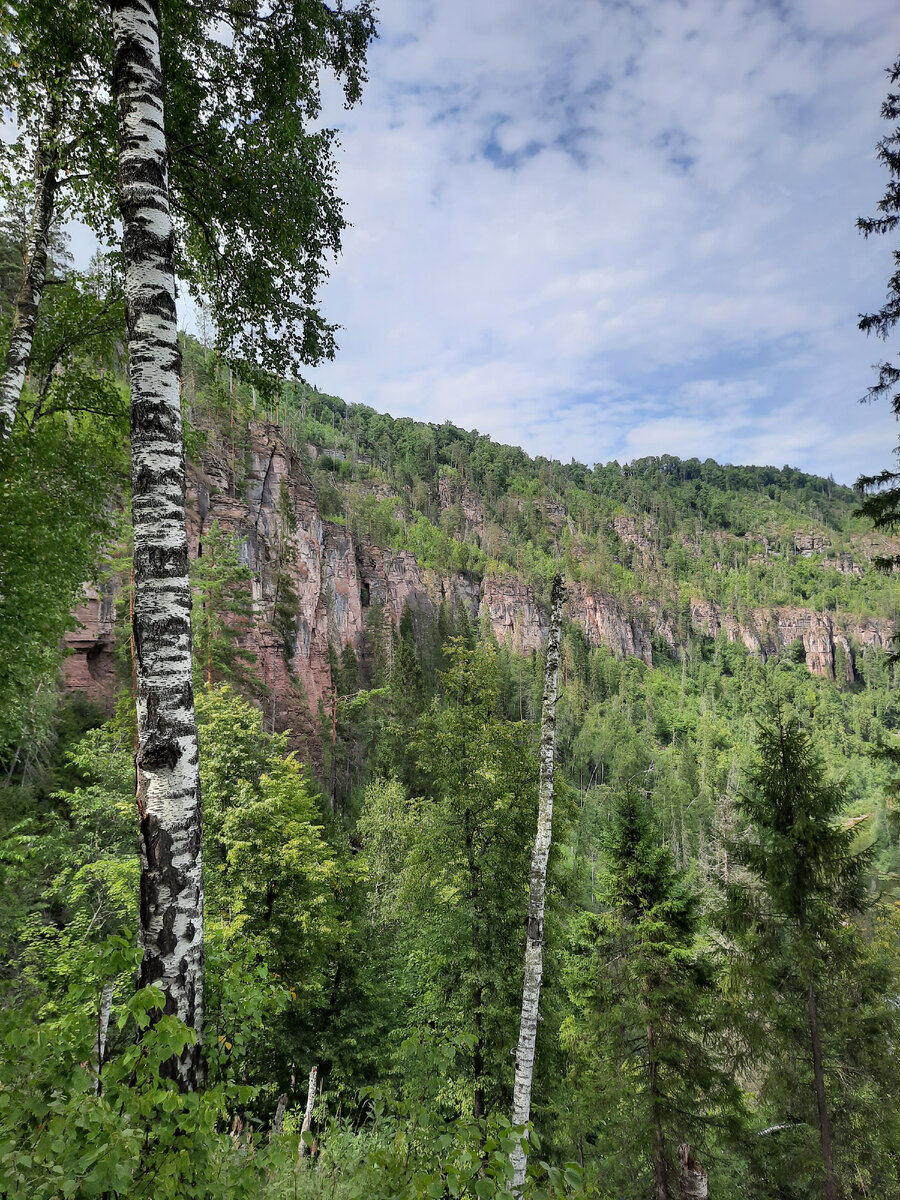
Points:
(223, 607)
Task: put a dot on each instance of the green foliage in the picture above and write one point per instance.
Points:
(252, 171)
(222, 609)
(69, 1130)
(413, 1148)
(648, 1063)
(808, 969)
(452, 887)
(55, 484)
(271, 877)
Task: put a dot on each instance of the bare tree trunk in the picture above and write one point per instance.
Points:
(694, 1184)
(310, 1105)
(278, 1123)
(534, 944)
(106, 997)
(821, 1104)
(660, 1171)
(34, 273)
(168, 781)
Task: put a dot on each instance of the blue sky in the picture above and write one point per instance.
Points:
(601, 229)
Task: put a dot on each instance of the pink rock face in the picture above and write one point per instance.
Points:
(334, 580)
(767, 631)
(514, 615)
(606, 623)
(631, 532)
(89, 666)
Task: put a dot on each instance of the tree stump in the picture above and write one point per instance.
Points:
(693, 1176)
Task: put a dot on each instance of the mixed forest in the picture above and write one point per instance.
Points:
(385, 812)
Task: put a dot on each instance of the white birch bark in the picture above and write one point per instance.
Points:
(534, 944)
(106, 998)
(34, 275)
(168, 793)
(693, 1183)
(310, 1105)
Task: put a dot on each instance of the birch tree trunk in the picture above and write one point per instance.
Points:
(534, 944)
(694, 1184)
(310, 1105)
(34, 274)
(106, 998)
(168, 782)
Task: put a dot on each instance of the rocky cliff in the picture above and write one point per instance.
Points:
(334, 579)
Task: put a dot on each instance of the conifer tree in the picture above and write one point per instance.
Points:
(642, 1036)
(812, 882)
(223, 607)
(406, 703)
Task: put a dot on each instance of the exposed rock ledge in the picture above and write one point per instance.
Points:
(336, 579)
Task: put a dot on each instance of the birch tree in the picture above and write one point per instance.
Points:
(534, 945)
(34, 272)
(168, 781)
(252, 178)
(52, 59)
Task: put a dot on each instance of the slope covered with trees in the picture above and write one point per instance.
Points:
(366, 900)
(282, 909)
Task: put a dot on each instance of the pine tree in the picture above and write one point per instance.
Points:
(882, 504)
(642, 1042)
(407, 700)
(811, 883)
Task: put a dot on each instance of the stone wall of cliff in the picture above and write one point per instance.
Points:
(336, 578)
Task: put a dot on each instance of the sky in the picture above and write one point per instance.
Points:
(602, 229)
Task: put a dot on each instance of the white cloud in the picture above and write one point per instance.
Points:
(566, 211)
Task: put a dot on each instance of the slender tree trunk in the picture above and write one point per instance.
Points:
(819, 1078)
(660, 1173)
(310, 1105)
(168, 781)
(821, 1104)
(278, 1123)
(106, 997)
(34, 273)
(478, 1101)
(534, 943)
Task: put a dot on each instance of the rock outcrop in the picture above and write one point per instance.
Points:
(334, 579)
(769, 631)
(89, 668)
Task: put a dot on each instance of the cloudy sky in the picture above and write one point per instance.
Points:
(602, 229)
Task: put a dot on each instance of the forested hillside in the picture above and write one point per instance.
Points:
(372, 593)
(385, 813)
